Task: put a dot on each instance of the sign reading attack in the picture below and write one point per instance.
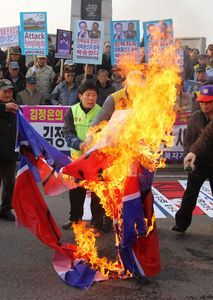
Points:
(91, 10)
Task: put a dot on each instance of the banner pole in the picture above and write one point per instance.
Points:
(61, 67)
(85, 72)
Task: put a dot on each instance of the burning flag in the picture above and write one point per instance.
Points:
(119, 167)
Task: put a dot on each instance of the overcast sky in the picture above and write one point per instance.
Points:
(192, 18)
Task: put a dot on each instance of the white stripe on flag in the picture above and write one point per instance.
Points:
(138, 264)
(131, 197)
(22, 170)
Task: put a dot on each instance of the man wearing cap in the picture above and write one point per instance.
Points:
(8, 156)
(15, 56)
(30, 95)
(66, 91)
(44, 75)
(13, 74)
(203, 165)
(202, 62)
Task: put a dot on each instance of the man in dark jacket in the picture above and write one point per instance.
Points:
(203, 169)
(13, 74)
(8, 155)
(105, 88)
(202, 147)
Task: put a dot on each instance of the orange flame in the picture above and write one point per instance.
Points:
(86, 238)
(133, 137)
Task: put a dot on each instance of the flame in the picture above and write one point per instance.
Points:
(139, 133)
(86, 238)
(133, 137)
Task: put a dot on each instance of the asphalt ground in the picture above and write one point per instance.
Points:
(26, 271)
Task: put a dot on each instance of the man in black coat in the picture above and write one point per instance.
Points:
(8, 156)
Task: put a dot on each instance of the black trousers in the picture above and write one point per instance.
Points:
(77, 198)
(7, 180)
(196, 179)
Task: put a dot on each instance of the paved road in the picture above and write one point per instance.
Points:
(26, 271)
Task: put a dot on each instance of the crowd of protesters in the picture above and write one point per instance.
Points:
(47, 81)
(40, 82)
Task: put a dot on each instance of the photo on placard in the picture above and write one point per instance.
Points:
(34, 21)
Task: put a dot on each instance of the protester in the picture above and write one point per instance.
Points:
(8, 156)
(202, 147)
(106, 59)
(88, 75)
(105, 88)
(66, 92)
(210, 55)
(122, 100)
(117, 79)
(202, 62)
(203, 170)
(15, 56)
(44, 75)
(3, 57)
(190, 60)
(13, 74)
(76, 124)
(30, 95)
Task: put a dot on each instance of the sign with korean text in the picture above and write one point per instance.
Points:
(9, 36)
(63, 44)
(91, 10)
(125, 41)
(158, 35)
(176, 152)
(48, 121)
(88, 42)
(33, 30)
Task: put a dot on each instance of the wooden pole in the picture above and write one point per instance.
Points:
(85, 72)
(61, 67)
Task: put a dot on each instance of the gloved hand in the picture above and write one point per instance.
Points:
(189, 161)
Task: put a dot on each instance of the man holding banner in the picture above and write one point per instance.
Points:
(8, 156)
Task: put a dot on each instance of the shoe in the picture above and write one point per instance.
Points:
(67, 225)
(178, 228)
(7, 215)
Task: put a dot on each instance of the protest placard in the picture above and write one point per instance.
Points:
(63, 44)
(9, 36)
(88, 42)
(158, 35)
(33, 31)
(125, 40)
